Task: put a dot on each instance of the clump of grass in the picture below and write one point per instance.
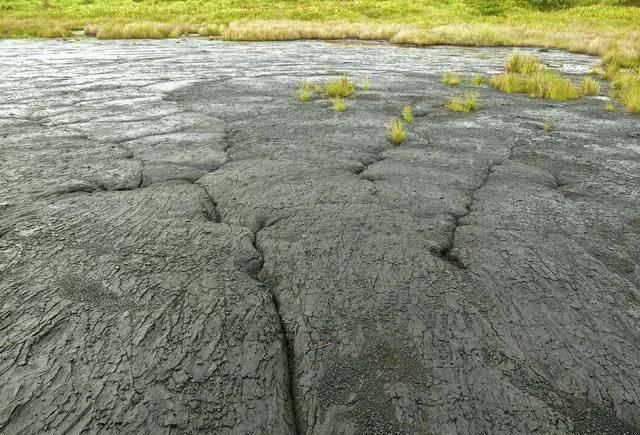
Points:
(342, 87)
(559, 88)
(305, 91)
(548, 124)
(523, 64)
(451, 79)
(626, 87)
(366, 84)
(509, 83)
(610, 107)
(395, 131)
(463, 102)
(339, 104)
(478, 80)
(407, 114)
(590, 86)
(539, 84)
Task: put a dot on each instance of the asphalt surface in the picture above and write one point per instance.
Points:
(186, 248)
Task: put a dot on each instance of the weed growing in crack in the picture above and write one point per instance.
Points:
(463, 102)
(407, 114)
(451, 79)
(589, 86)
(343, 87)
(610, 107)
(548, 124)
(339, 104)
(396, 132)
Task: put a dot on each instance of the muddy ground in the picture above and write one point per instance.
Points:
(186, 248)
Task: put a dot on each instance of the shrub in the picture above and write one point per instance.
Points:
(338, 104)
(395, 131)
(463, 102)
(342, 87)
(407, 114)
(450, 79)
(590, 86)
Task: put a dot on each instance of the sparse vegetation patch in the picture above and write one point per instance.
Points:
(343, 87)
(395, 131)
(463, 102)
(407, 114)
(451, 79)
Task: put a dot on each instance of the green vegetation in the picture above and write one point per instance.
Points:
(342, 87)
(607, 28)
(463, 102)
(610, 107)
(395, 131)
(305, 91)
(526, 74)
(590, 86)
(548, 124)
(451, 79)
(407, 114)
(366, 84)
(339, 104)
(626, 87)
(478, 80)
(523, 64)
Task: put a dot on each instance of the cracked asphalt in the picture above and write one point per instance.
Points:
(186, 248)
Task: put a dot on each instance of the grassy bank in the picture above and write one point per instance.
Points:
(606, 29)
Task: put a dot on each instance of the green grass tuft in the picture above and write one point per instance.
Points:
(523, 64)
(407, 114)
(339, 104)
(478, 80)
(343, 87)
(626, 87)
(590, 86)
(463, 102)
(395, 131)
(366, 84)
(610, 107)
(451, 79)
(548, 124)
(305, 91)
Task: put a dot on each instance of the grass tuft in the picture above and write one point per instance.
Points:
(366, 84)
(610, 107)
(626, 87)
(395, 131)
(339, 104)
(523, 64)
(463, 102)
(407, 114)
(548, 124)
(478, 80)
(305, 91)
(451, 79)
(342, 87)
(590, 86)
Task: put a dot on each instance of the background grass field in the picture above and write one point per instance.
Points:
(608, 28)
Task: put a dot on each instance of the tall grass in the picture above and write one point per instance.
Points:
(396, 132)
(626, 87)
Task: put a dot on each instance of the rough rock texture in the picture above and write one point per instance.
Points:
(185, 248)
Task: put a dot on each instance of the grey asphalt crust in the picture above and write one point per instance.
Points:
(186, 248)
